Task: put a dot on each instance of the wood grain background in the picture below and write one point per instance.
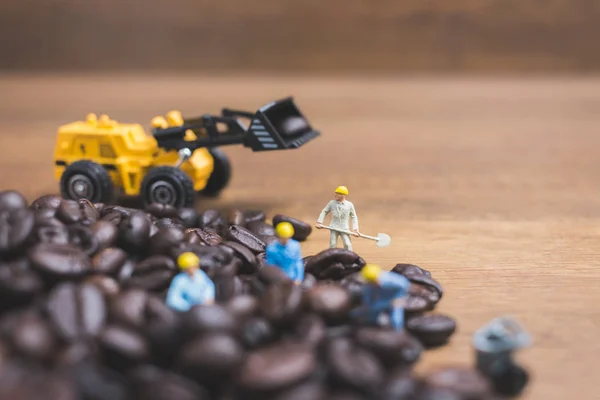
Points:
(492, 185)
(308, 36)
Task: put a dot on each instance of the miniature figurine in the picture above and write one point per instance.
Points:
(385, 291)
(96, 158)
(341, 211)
(494, 344)
(190, 287)
(285, 253)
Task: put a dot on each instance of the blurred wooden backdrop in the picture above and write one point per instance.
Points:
(302, 35)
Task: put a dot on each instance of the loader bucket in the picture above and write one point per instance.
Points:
(279, 126)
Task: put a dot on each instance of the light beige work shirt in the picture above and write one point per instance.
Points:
(341, 213)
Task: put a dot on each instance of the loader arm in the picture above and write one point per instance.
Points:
(277, 126)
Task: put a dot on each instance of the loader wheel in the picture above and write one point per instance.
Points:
(86, 179)
(220, 176)
(168, 185)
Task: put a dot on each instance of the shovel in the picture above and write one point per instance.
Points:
(382, 239)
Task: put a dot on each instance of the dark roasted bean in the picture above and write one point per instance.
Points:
(109, 261)
(236, 217)
(249, 262)
(152, 383)
(106, 234)
(433, 329)
(154, 274)
(162, 210)
(83, 237)
(257, 332)
(165, 240)
(11, 200)
(331, 302)
(281, 303)
(134, 231)
(251, 216)
(203, 319)
(326, 258)
(60, 261)
(210, 219)
(49, 201)
(301, 229)
(15, 228)
(391, 347)
(211, 356)
(244, 237)
(410, 269)
(18, 283)
(122, 347)
(466, 382)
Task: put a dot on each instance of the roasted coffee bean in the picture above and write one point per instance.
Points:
(125, 212)
(236, 217)
(281, 303)
(83, 237)
(426, 287)
(208, 236)
(107, 285)
(277, 367)
(134, 231)
(165, 223)
(60, 261)
(165, 240)
(312, 389)
(410, 269)
(270, 275)
(75, 354)
(400, 385)
(68, 212)
(244, 237)
(106, 234)
(109, 261)
(210, 257)
(25, 381)
(417, 305)
(114, 218)
(334, 272)
(211, 356)
(15, 228)
(309, 281)
(252, 216)
(123, 348)
(77, 311)
(128, 308)
(188, 217)
(162, 210)
(11, 201)
(257, 332)
(261, 229)
(152, 383)
(32, 337)
(49, 201)
(18, 283)
(354, 367)
(53, 234)
(331, 302)
(323, 260)
(393, 348)
(310, 329)
(301, 229)
(154, 274)
(249, 262)
(242, 306)
(204, 319)
(46, 217)
(95, 382)
(433, 329)
(210, 219)
(163, 329)
(434, 393)
(467, 382)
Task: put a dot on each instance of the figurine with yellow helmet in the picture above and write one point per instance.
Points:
(286, 253)
(342, 211)
(191, 286)
(384, 292)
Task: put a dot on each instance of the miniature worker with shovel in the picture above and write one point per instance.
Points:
(341, 212)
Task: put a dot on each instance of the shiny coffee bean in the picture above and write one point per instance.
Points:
(236, 217)
(123, 348)
(31, 337)
(97, 382)
(257, 332)
(188, 217)
(242, 306)
(152, 383)
(128, 308)
(83, 237)
(11, 201)
(311, 389)
(246, 238)
(326, 258)
(331, 302)
(261, 229)
(53, 234)
(106, 234)
(211, 356)
(60, 261)
(165, 240)
(427, 285)
(15, 228)
(391, 347)
(301, 229)
(466, 382)
(210, 219)
(18, 283)
(162, 210)
(77, 311)
(252, 216)
(270, 275)
(204, 319)
(48, 201)
(310, 329)
(248, 258)
(400, 385)
(154, 274)
(109, 261)
(134, 231)
(107, 285)
(277, 367)
(208, 236)
(410, 269)
(433, 329)
(281, 303)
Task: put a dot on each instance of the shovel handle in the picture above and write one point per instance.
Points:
(351, 233)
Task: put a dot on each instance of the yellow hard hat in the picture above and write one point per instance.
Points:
(187, 260)
(370, 272)
(284, 230)
(342, 190)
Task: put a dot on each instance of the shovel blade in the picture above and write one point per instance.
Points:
(383, 240)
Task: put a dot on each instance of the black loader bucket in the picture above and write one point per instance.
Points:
(279, 126)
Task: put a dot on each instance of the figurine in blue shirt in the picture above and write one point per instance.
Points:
(285, 253)
(385, 291)
(190, 287)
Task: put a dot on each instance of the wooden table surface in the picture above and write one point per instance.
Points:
(492, 185)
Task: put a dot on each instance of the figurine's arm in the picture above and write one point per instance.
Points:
(354, 218)
(392, 280)
(324, 213)
(175, 298)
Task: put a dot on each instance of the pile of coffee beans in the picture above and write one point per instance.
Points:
(83, 313)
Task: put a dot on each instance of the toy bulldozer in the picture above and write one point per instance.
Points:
(96, 158)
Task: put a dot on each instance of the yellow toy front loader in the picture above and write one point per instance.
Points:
(98, 157)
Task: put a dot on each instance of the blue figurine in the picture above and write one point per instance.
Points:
(190, 287)
(285, 253)
(383, 292)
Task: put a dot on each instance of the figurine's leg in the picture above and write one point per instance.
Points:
(346, 240)
(397, 317)
(333, 239)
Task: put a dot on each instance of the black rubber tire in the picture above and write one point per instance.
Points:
(100, 187)
(221, 175)
(176, 185)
